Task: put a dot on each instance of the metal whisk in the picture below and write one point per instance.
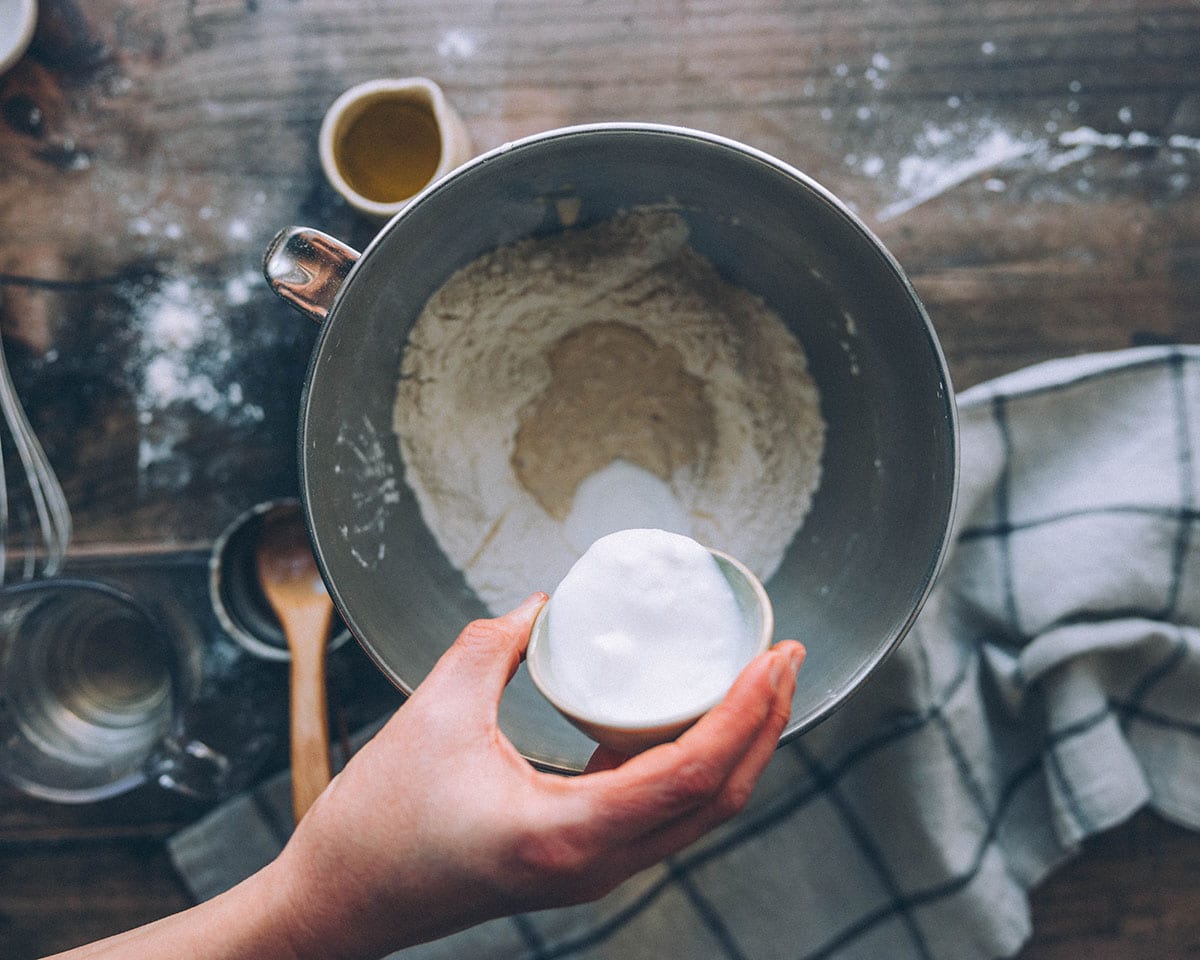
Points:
(53, 517)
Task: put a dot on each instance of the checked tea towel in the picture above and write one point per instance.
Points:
(1050, 688)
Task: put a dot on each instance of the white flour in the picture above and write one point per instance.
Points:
(708, 391)
(180, 368)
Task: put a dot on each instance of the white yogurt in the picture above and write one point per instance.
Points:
(618, 496)
(644, 628)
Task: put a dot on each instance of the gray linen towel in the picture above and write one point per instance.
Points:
(1050, 689)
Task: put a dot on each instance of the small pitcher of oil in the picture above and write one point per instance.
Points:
(384, 141)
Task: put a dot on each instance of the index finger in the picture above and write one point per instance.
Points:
(658, 786)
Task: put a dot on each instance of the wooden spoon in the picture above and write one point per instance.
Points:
(292, 584)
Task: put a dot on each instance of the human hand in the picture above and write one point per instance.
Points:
(439, 823)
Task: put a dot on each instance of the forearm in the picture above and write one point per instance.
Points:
(255, 919)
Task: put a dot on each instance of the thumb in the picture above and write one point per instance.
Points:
(487, 653)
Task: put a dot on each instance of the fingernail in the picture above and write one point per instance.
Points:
(796, 658)
(778, 674)
(533, 600)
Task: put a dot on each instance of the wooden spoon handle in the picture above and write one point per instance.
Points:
(309, 716)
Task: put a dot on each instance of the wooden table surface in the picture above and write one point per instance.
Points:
(1035, 166)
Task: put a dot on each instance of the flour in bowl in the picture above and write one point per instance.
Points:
(614, 362)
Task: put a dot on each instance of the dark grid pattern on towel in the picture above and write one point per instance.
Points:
(1050, 688)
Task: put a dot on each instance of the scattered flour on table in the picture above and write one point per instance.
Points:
(611, 361)
(181, 367)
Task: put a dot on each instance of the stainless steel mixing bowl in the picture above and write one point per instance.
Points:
(858, 571)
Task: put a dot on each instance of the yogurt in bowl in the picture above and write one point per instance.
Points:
(647, 632)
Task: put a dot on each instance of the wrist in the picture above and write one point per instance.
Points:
(274, 892)
(306, 914)
(318, 905)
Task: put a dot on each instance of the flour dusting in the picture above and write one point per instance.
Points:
(544, 363)
(939, 157)
(182, 362)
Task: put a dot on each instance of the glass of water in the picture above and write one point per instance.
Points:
(92, 690)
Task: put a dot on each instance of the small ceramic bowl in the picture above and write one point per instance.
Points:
(17, 20)
(237, 599)
(383, 141)
(755, 609)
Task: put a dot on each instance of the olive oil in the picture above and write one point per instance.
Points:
(390, 150)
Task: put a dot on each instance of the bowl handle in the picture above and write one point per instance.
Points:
(306, 268)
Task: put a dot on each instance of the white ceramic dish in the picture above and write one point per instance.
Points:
(755, 609)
